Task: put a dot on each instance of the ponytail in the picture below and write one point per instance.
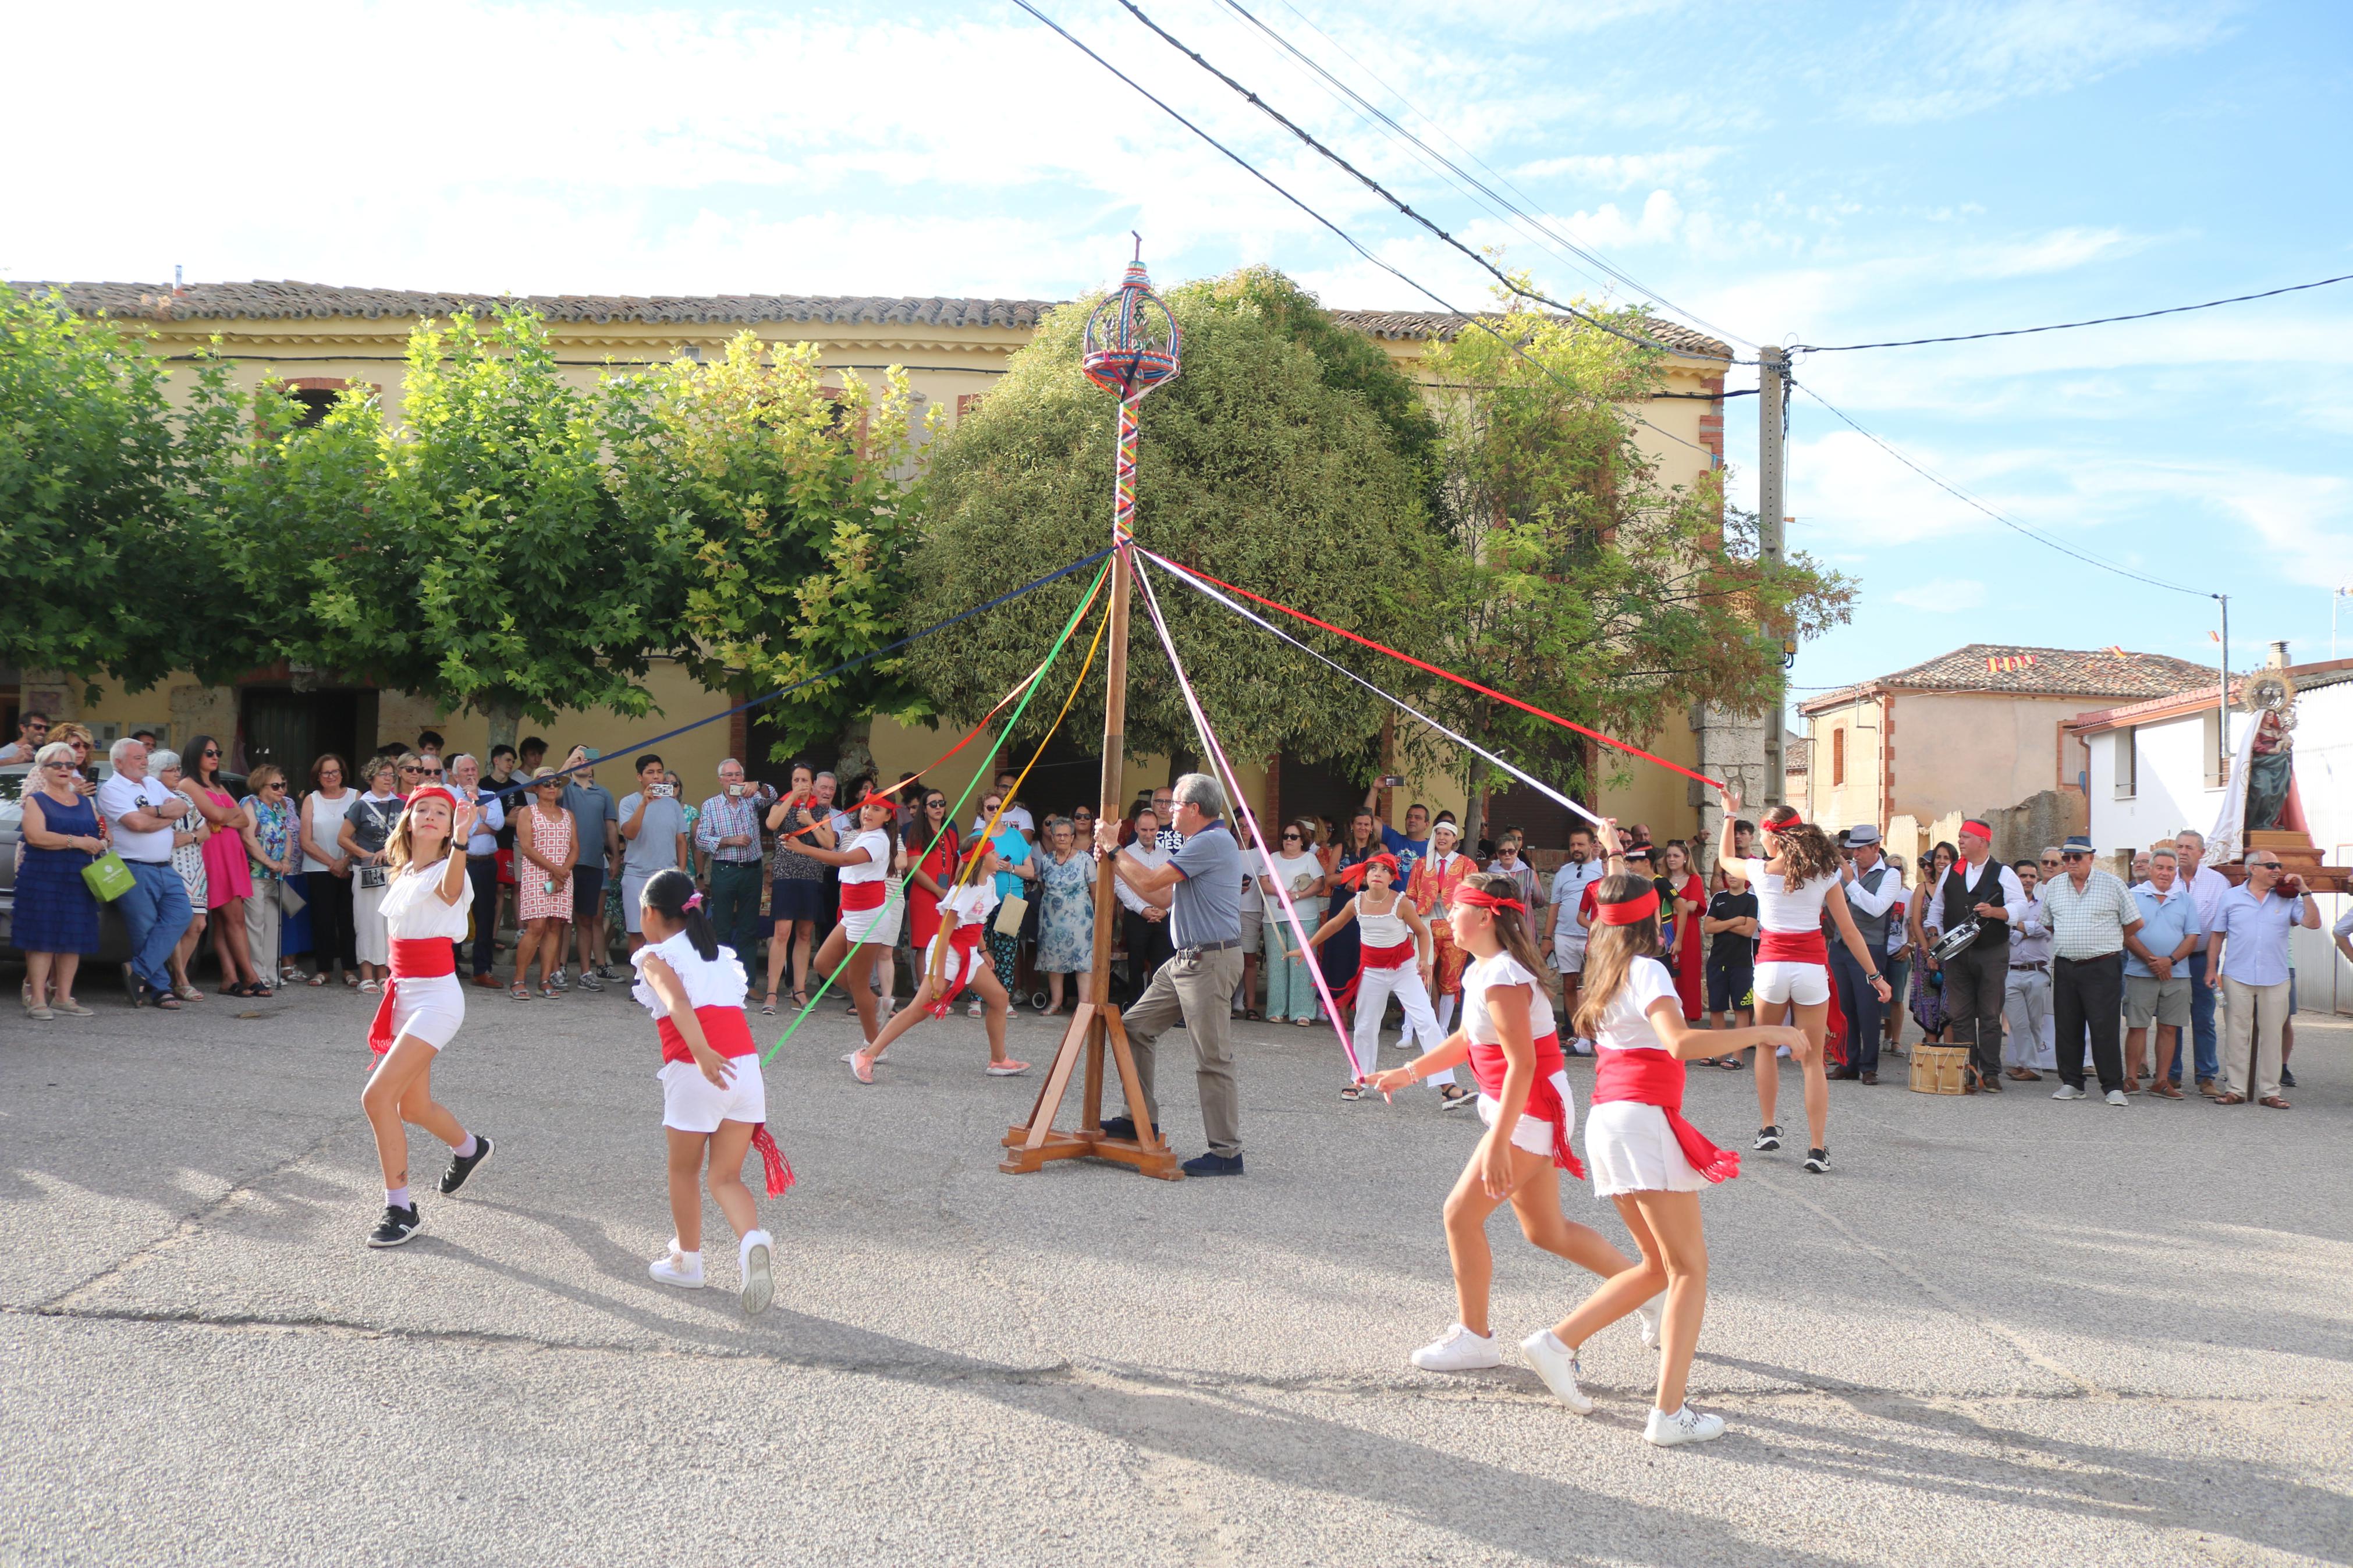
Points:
(673, 895)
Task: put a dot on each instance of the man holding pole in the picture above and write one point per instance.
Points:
(1201, 888)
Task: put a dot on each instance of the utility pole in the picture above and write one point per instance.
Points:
(1772, 498)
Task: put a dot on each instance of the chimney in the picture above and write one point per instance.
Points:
(2279, 655)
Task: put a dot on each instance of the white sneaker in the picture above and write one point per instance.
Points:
(755, 1256)
(1685, 1425)
(1459, 1350)
(1649, 1312)
(683, 1269)
(2068, 1091)
(1557, 1365)
(2116, 1098)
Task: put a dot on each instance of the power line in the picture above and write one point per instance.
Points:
(1397, 201)
(1470, 182)
(2066, 326)
(1959, 494)
(1343, 234)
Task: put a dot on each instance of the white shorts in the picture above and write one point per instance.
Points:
(1567, 956)
(432, 1009)
(1807, 984)
(1529, 1132)
(1630, 1148)
(879, 925)
(693, 1103)
(954, 977)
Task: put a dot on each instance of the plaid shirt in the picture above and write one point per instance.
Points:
(2092, 923)
(724, 816)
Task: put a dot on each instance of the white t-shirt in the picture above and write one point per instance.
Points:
(323, 819)
(1626, 1022)
(413, 910)
(1569, 885)
(118, 797)
(709, 982)
(1151, 860)
(1016, 816)
(1483, 974)
(969, 905)
(1289, 869)
(1784, 909)
(876, 842)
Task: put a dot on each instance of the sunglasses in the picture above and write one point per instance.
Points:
(1291, 839)
(275, 785)
(58, 767)
(2078, 854)
(212, 750)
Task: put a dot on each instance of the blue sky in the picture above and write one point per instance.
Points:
(1799, 173)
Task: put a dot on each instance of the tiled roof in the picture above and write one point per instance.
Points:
(2307, 678)
(1445, 325)
(311, 301)
(2037, 672)
(315, 301)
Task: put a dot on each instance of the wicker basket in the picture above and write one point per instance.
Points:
(1937, 1070)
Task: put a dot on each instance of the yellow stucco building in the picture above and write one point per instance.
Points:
(317, 338)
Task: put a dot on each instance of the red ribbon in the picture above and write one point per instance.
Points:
(1654, 1078)
(772, 1161)
(1488, 1064)
(412, 958)
(1474, 898)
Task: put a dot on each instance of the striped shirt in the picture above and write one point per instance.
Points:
(729, 816)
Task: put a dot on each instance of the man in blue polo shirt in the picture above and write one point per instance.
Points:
(1409, 846)
(1201, 888)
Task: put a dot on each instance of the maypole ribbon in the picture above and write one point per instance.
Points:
(1060, 641)
(1242, 810)
(1186, 576)
(1444, 674)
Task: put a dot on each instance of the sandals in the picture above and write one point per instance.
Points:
(1304, 1023)
(1450, 1095)
(549, 993)
(1251, 1014)
(1354, 1091)
(351, 981)
(769, 1009)
(188, 992)
(520, 992)
(369, 987)
(318, 979)
(2234, 1099)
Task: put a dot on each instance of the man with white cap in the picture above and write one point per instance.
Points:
(2093, 919)
(1871, 888)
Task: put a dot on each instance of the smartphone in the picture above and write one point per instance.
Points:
(659, 792)
(1392, 781)
(735, 791)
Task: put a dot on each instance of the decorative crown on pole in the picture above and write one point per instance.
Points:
(1133, 345)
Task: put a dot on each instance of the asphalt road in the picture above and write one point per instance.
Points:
(2005, 1331)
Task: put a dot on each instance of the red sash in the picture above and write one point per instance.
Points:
(1794, 947)
(412, 958)
(1488, 1064)
(727, 1031)
(1396, 957)
(962, 944)
(861, 895)
(1654, 1078)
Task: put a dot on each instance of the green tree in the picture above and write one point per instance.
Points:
(103, 486)
(1579, 581)
(1272, 460)
(793, 493)
(478, 555)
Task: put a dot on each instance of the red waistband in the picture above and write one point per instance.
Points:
(1654, 1078)
(1396, 957)
(1793, 947)
(726, 1029)
(863, 894)
(412, 958)
(1489, 1064)
(963, 943)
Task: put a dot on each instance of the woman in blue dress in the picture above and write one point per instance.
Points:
(56, 914)
(1066, 919)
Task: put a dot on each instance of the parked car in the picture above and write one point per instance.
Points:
(113, 934)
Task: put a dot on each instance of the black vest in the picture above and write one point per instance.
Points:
(1961, 904)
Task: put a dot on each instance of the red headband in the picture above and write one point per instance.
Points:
(1781, 817)
(436, 791)
(1626, 911)
(1354, 874)
(1976, 829)
(1473, 897)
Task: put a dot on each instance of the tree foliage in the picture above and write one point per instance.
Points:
(791, 493)
(1271, 461)
(102, 487)
(1578, 581)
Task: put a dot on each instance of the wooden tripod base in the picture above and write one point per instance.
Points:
(1033, 1145)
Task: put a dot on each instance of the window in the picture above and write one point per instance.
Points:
(1838, 758)
(315, 403)
(2127, 762)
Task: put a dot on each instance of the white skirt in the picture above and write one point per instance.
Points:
(1630, 1148)
(693, 1103)
(878, 925)
(1529, 1132)
(1807, 984)
(431, 1008)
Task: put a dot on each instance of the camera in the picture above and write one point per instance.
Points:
(736, 791)
(660, 791)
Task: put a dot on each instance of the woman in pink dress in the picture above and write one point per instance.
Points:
(228, 881)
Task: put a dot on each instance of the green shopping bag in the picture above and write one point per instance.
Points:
(107, 877)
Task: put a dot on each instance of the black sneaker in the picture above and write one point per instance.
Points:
(462, 1165)
(1768, 1138)
(2287, 1078)
(397, 1227)
(1214, 1165)
(1817, 1160)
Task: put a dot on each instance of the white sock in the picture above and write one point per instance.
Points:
(395, 1197)
(690, 1261)
(469, 1149)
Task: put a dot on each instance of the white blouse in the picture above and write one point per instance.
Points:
(413, 909)
(1386, 930)
(1626, 1022)
(1483, 974)
(709, 982)
(876, 842)
(1782, 907)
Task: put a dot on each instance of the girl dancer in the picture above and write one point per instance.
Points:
(957, 958)
(1523, 1097)
(1646, 1158)
(714, 1103)
(869, 916)
(1795, 884)
(424, 911)
(1398, 954)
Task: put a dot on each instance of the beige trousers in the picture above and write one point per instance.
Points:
(2257, 1018)
(1199, 988)
(264, 920)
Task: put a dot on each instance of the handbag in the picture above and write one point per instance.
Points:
(290, 899)
(107, 877)
(1008, 916)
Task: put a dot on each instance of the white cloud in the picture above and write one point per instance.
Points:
(1938, 61)
(1621, 171)
(1941, 597)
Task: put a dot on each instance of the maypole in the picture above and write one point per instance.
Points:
(1132, 349)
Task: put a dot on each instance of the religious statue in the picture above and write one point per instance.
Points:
(2260, 795)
